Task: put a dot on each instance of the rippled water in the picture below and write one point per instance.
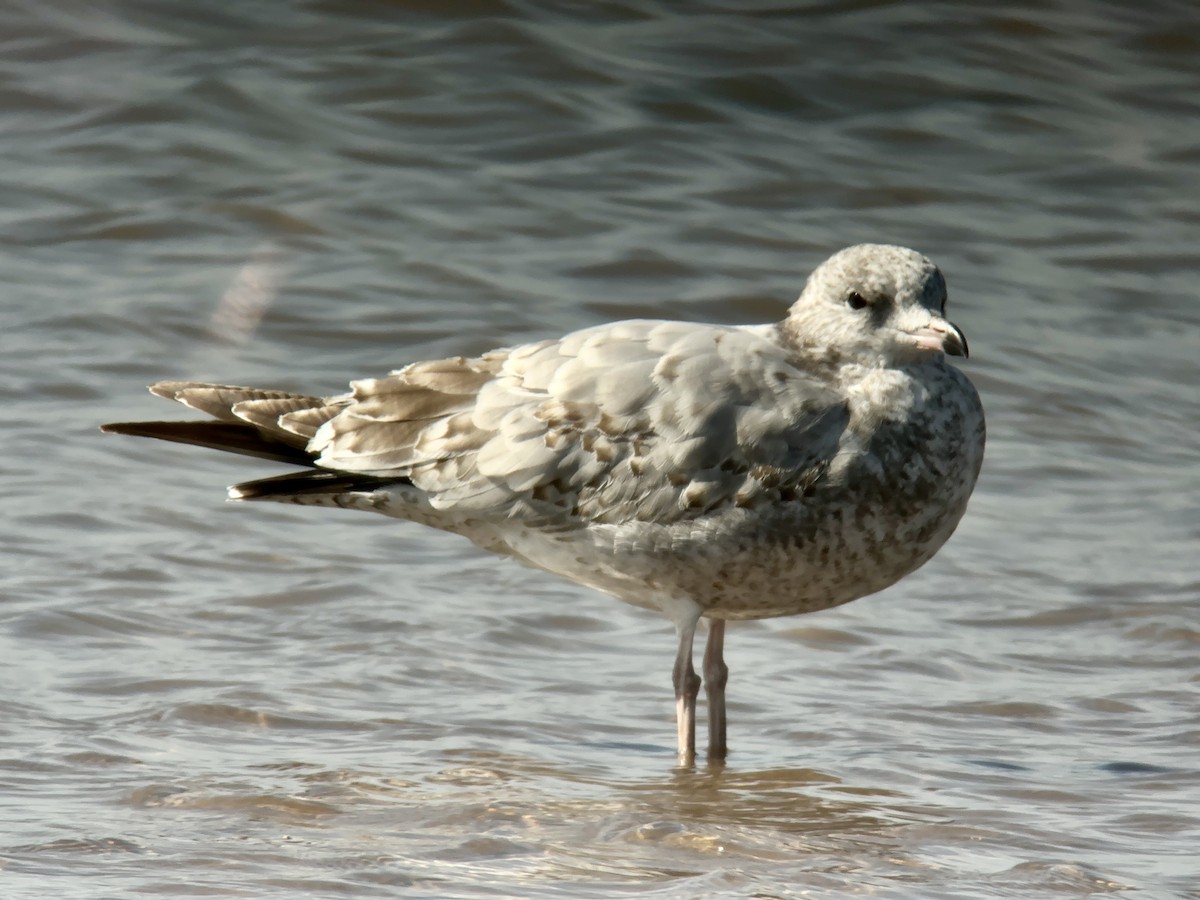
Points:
(209, 699)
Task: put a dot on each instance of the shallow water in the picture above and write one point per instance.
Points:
(212, 699)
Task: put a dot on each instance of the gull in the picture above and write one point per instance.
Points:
(704, 471)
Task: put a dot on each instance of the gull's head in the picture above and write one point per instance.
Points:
(877, 305)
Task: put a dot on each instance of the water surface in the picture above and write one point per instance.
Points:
(226, 700)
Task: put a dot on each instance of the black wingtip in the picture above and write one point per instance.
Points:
(306, 484)
(230, 437)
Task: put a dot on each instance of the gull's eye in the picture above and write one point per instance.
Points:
(856, 301)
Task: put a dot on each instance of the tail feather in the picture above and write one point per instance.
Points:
(279, 416)
(241, 438)
(272, 425)
(218, 400)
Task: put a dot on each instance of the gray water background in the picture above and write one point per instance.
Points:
(210, 699)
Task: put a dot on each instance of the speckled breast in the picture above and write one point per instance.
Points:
(874, 520)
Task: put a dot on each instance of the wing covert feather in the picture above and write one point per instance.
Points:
(636, 420)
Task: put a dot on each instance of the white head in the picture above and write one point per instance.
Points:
(876, 305)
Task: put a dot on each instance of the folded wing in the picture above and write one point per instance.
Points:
(699, 416)
(636, 420)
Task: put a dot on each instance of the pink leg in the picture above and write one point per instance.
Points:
(687, 686)
(716, 673)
